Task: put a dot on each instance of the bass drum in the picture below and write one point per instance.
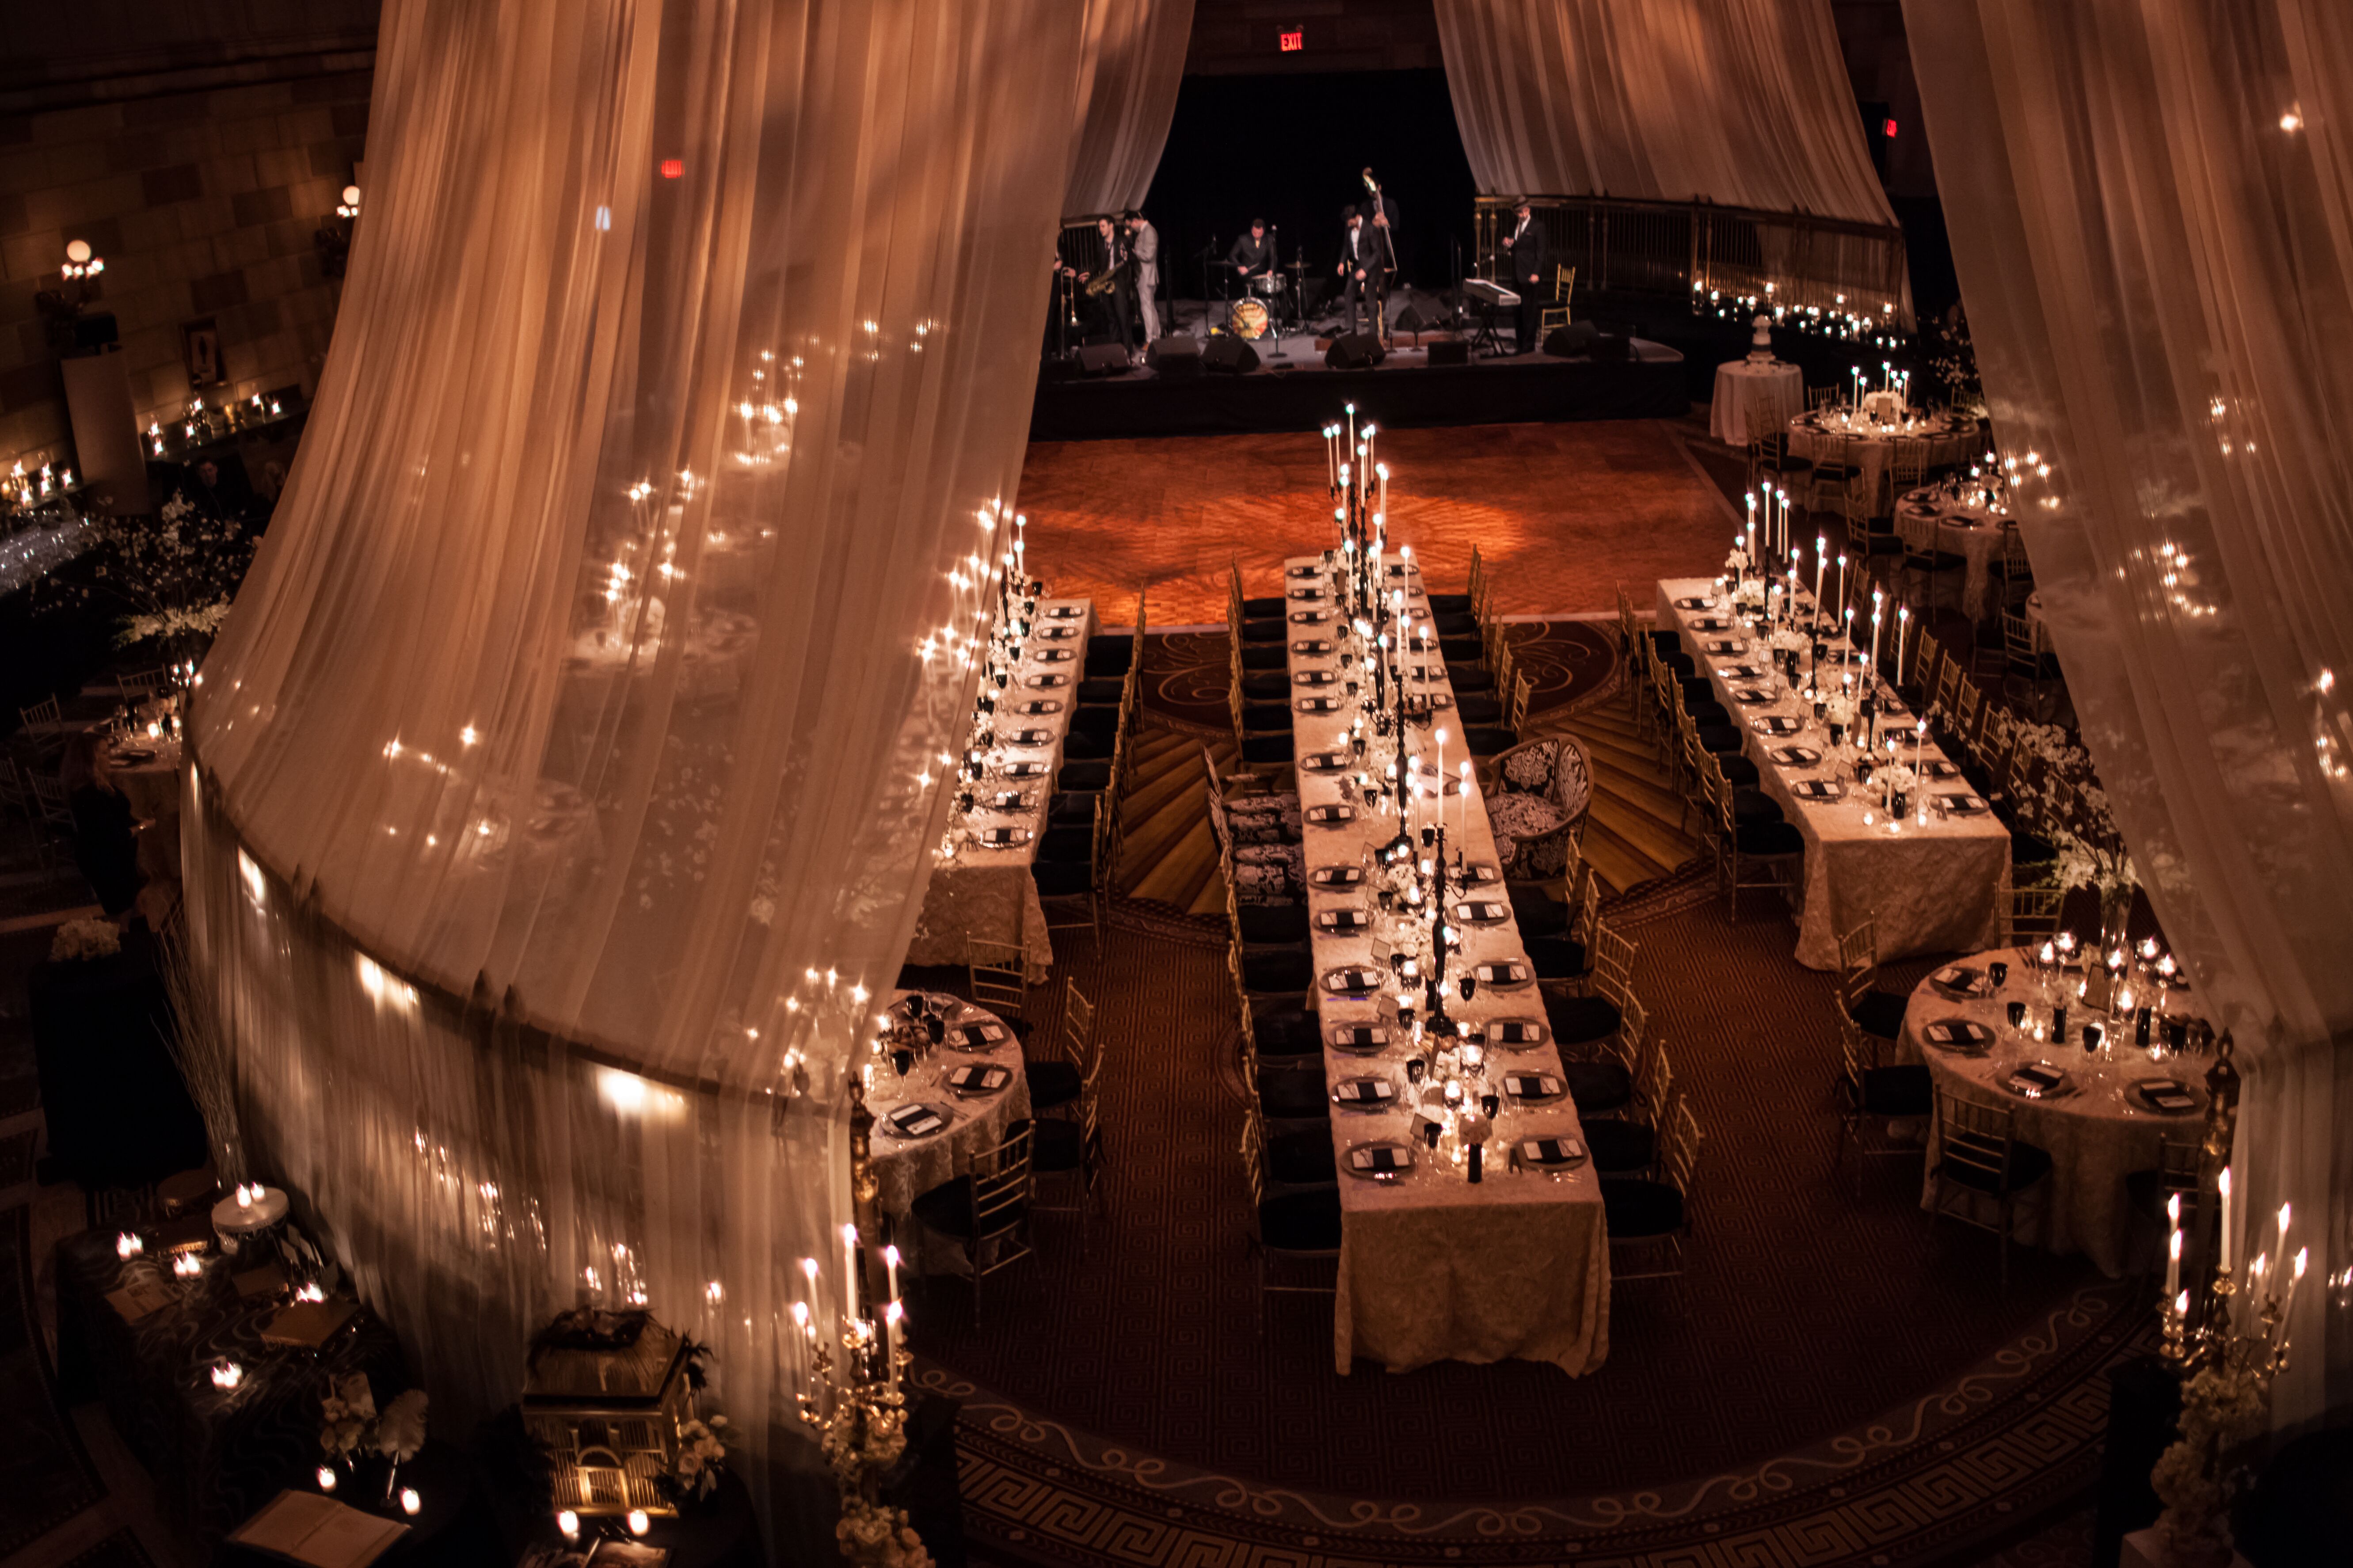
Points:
(1247, 321)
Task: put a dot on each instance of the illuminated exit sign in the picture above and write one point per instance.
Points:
(1295, 40)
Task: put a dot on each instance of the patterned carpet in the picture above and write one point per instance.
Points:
(1561, 512)
(1836, 1379)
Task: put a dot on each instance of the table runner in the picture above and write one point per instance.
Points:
(1933, 889)
(992, 894)
(1432, 1268)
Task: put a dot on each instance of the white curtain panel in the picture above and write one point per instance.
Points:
(2151, 208)
(1135, 55)
(1742, 103)
(594, 677)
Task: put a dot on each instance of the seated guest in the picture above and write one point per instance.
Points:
(106, 835)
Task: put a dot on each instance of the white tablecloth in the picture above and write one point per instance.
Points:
(1771, 395)
(1933, 889)
(147, 771)
(1432, 1268)
(1814, 436)
(2095, 1137)
(906, 1168)
(1962, 528)
(991, 894)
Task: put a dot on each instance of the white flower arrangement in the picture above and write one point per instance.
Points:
(192, 620)
(1839, 709)
(85, 939)
(349, 1412)
(701, 1455)
(1751, 593)
(2064, 802)
(1736, 563)
(1899, 779)
(1789, 639)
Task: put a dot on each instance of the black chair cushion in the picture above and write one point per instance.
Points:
(1271, 687)
(1460, 650)
(1468, 678)
(1763, 839)
(1707, 714)
(1100, 719)
(1935, 559)
(1598, 1087)
(1581, 1020)
(1879, 1014)
(1898, 1092)
(1621, 1146)
(1090, 776)
(1273, 629)
(947, 1209)
(2045, 666)
(1103, 691)
(1486, 742)
(1669, 642)
(1285, 1033)
(1301, 1159)
(1058, 880)
(1751, 806)
(1537, 914)
(1723, 741)
(1556, 957)
(1478, 708)
(1293, 1094)
(1266, 748)
(1836, 473)
(1262, 606)
(1301, 1222)
(1266, 718)
(1085, 748)
(1882, 544)
(1072, 804)
(1262, 924)
(1740, 771)
(1111, 655)
(1063, 846)
(1056, 1143)
(1277, 969)
(1636, 1209)
(1450, 603)
(2028, 1165)
(1265, 656)
(1454, 623)
(1678, 662)
(1051, 1083)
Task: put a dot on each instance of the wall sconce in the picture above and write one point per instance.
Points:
(81, 261)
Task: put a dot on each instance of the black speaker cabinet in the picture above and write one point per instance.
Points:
(1175, 358)
(1229, 355)
(1575, 339)
(1450, 350)
(1103, 359)
(1354, 351)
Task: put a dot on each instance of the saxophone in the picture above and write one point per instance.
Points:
(1103, 282)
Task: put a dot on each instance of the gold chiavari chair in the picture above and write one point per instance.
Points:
(1775, 847)
(1967, 711)
(1872, 1098)
(1948, 684)
(1555, 312)
(1820, 397)
(2029, 664)
(1054, 1081)
(1877, 1012)
(985, 1215)
(2030, 916)
(1626, 1143)
(1983, 1162)
(996, 973)
(1290, 1230)
(1927, 652)
(1650, 1221)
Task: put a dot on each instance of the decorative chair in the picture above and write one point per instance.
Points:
(996, 973)
(1545, 788)
(986, 1215)
(2030, 916)
(1872, 1098)
(1069, 1152)
(1055, 1081)
(1289, 1228)
(1627, 1144)
(2176, 1174)
(1984, 1160)
(1878, 1013)
(2029, 664)
(1775, 847)
(1655, 1217)
(1555, 313)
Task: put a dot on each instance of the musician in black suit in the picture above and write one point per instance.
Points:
(1526, 250)
(1253, 254)
(1364, 264)
(1113, 312)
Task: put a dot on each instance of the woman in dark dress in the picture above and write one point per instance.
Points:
(106, 835)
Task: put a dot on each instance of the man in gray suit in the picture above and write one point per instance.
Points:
(1144, 244)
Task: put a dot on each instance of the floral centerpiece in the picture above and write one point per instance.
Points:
(1839, 713)
(85, 939)
(701, 1455)
(2063, 800)
(351, 1427)
(1897, 782)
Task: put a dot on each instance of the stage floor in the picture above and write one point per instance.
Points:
(1561, 513)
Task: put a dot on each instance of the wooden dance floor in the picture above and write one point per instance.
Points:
(1561, 513)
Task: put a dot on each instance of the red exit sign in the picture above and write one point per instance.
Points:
(1295, 40)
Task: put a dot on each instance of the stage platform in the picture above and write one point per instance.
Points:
(1300, 392)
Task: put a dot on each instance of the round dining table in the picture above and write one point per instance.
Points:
(2101, 1113)
(1964, 525)
(146, 768)
(1869, 440)
(927, 1129)
(1752, 394)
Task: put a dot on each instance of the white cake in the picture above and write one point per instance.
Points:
(1760, 342)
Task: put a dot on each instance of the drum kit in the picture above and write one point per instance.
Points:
(1255, 313)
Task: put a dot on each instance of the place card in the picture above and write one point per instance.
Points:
(979, 1077)
(1552, 1151)
(1368, 1092)
(915, 1121)
(1335, 877)
(1532, 1086)
(982, 1037)
(1358, 1037)
(1352, 981)
(1329, 815)
(1503, 974)
(1342, 920)
(1326, 762)
(307, 1325)
(1316, 678)
(1039, 705)
(1515, 1032)
(1046, 682)
(1795, 756)
(1318, 705)
(2167, 1097)
(1775, 725)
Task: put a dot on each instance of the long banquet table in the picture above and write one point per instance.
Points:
(1433, 1268)
(1933, 886)
(990, 893)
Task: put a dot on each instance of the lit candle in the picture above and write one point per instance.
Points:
(569, 1523)
(850, 1271)
(1821, 546)
(228, 1374)
(409, 1501)
(127, 1245)
(1902, 625)
(2173, 1244)
(892, 1316)
(891, 1268)
(639, 1523)
(2224, 1182)
(326, 1478)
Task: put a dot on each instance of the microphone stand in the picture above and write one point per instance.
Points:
(1274, 317)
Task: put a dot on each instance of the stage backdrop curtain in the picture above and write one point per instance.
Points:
(2158, 275)
(1740, 102)
(597, 674)
(1136, 61)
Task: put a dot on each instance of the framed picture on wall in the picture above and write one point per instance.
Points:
(200, 342)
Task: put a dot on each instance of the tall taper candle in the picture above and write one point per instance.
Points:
(2223, 1181)
(850, 1271)
(2173, 1245)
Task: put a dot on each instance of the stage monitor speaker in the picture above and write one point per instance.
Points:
(1177, 357)
(1355, 351)
(1575, 340)
(1103, 359)
(1412, 321)
(1059, 367)
(1613, 346)
(1229, 355)
(1450, 350)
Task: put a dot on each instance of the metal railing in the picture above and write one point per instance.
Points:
(1697, 251)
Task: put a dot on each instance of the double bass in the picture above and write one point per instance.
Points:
(1389, 244)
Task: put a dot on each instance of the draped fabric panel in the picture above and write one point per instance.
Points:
(1741, 102)
(2153, 224)
(1135, 52)
(596, 674)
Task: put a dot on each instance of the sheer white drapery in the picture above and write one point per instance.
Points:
(597, 668)
(2153, 222)
(1743, 103)
(1136, 61)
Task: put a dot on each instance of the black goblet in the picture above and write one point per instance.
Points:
(2093, 1035)
(2018, 1014)
(1489, 1104)
(902, 1061)
(936, 1026)
(1997, 971)
(1429, 1130)
(1470, 984)
(1415, 1067)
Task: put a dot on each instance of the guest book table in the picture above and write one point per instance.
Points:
(2101, 1122)
(148, 1342)
(984, 876)
(1432, 1267)
(1933, 885)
